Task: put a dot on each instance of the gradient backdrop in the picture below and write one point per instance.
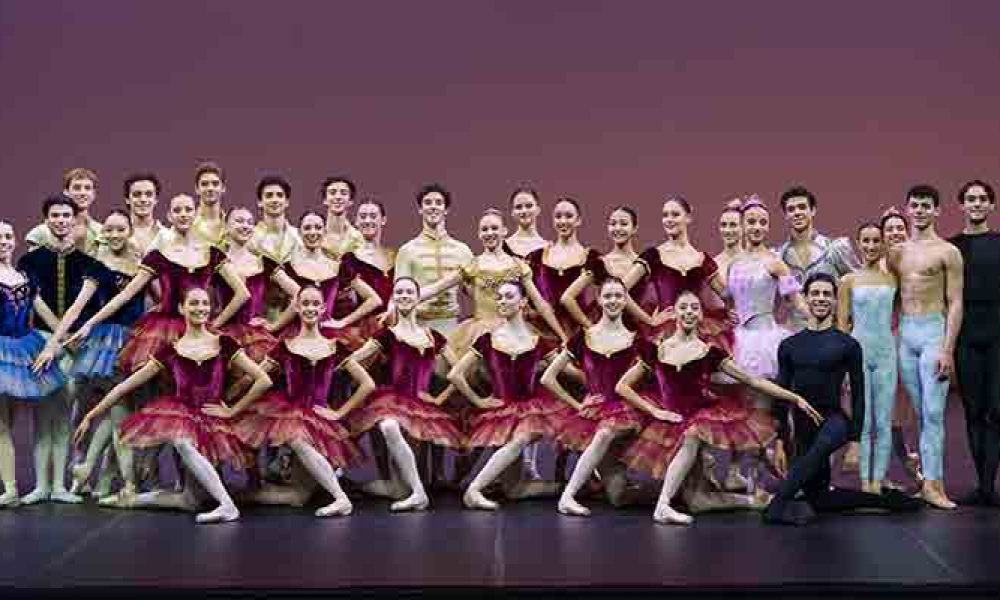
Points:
(611, 102)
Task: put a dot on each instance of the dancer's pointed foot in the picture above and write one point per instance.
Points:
(123, 498)
(569, 506)
(416, 502)
(666, 514)
(64, 497)
(39, 494)
(933, 494)
(475, 499)
(339, 508)
(224, 514)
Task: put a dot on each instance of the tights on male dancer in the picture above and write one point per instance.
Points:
(930, 276)
(813, 363)
(977, 354)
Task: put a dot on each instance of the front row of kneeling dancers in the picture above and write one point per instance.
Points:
(652, 407)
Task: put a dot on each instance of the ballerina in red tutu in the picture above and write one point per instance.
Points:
(674, 266)
(604, 352)
(193, 420)
(687, 410)
(179, 262)
(310, 265)
(403, 404)
(298, 414)
(248, 326)
(519, 411)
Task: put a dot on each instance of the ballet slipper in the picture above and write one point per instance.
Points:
(760, 499)
(39, 494)
(64, 497)
(667, 515)
(123, 498)
(222, 514)
(416, 502)
(338, 508)
(477, 501)
(934, 495)
(569, 506)
(10, 499)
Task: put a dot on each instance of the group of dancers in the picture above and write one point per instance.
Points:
(291, 352)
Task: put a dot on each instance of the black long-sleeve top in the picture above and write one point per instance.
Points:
(813, 364)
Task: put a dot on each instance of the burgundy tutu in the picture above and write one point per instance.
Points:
(274, 420)
(597, 413)
(421, 420)
(725, 424)
(541, 415)
(150, 334)
(170, 418)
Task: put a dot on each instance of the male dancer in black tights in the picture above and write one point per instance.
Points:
(977, 353)
(814, 363)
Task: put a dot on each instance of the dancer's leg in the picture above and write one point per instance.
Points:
(677, 472)
(206, 475)
(402, 455)
(8, 473)
(584, 469)
(504, 457)
(322, 471)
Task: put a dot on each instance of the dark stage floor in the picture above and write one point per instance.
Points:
(526, 544)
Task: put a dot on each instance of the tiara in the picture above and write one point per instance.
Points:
(752, 201)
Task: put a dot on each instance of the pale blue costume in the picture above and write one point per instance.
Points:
(920, 338)
(871, 316)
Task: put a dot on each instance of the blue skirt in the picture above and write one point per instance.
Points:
(97, 356)
(16, 379)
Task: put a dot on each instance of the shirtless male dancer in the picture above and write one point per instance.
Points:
(930, 272)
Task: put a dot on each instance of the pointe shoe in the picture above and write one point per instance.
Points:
(668, 516)
(477, 501)
(123, 498)
(10, 499)
(416, 502)
(338, 508)
(933, 494)
(223, 514)
(570, 507)
(35, 496)
(64, 497)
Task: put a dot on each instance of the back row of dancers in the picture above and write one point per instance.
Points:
(259, 343)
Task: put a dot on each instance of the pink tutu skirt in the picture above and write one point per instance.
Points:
(275, 420)
(599, 413)
(726, 424)
(541, 415)
(420, 420)
(169, 418)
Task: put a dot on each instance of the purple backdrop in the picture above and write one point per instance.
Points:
(610, 102)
